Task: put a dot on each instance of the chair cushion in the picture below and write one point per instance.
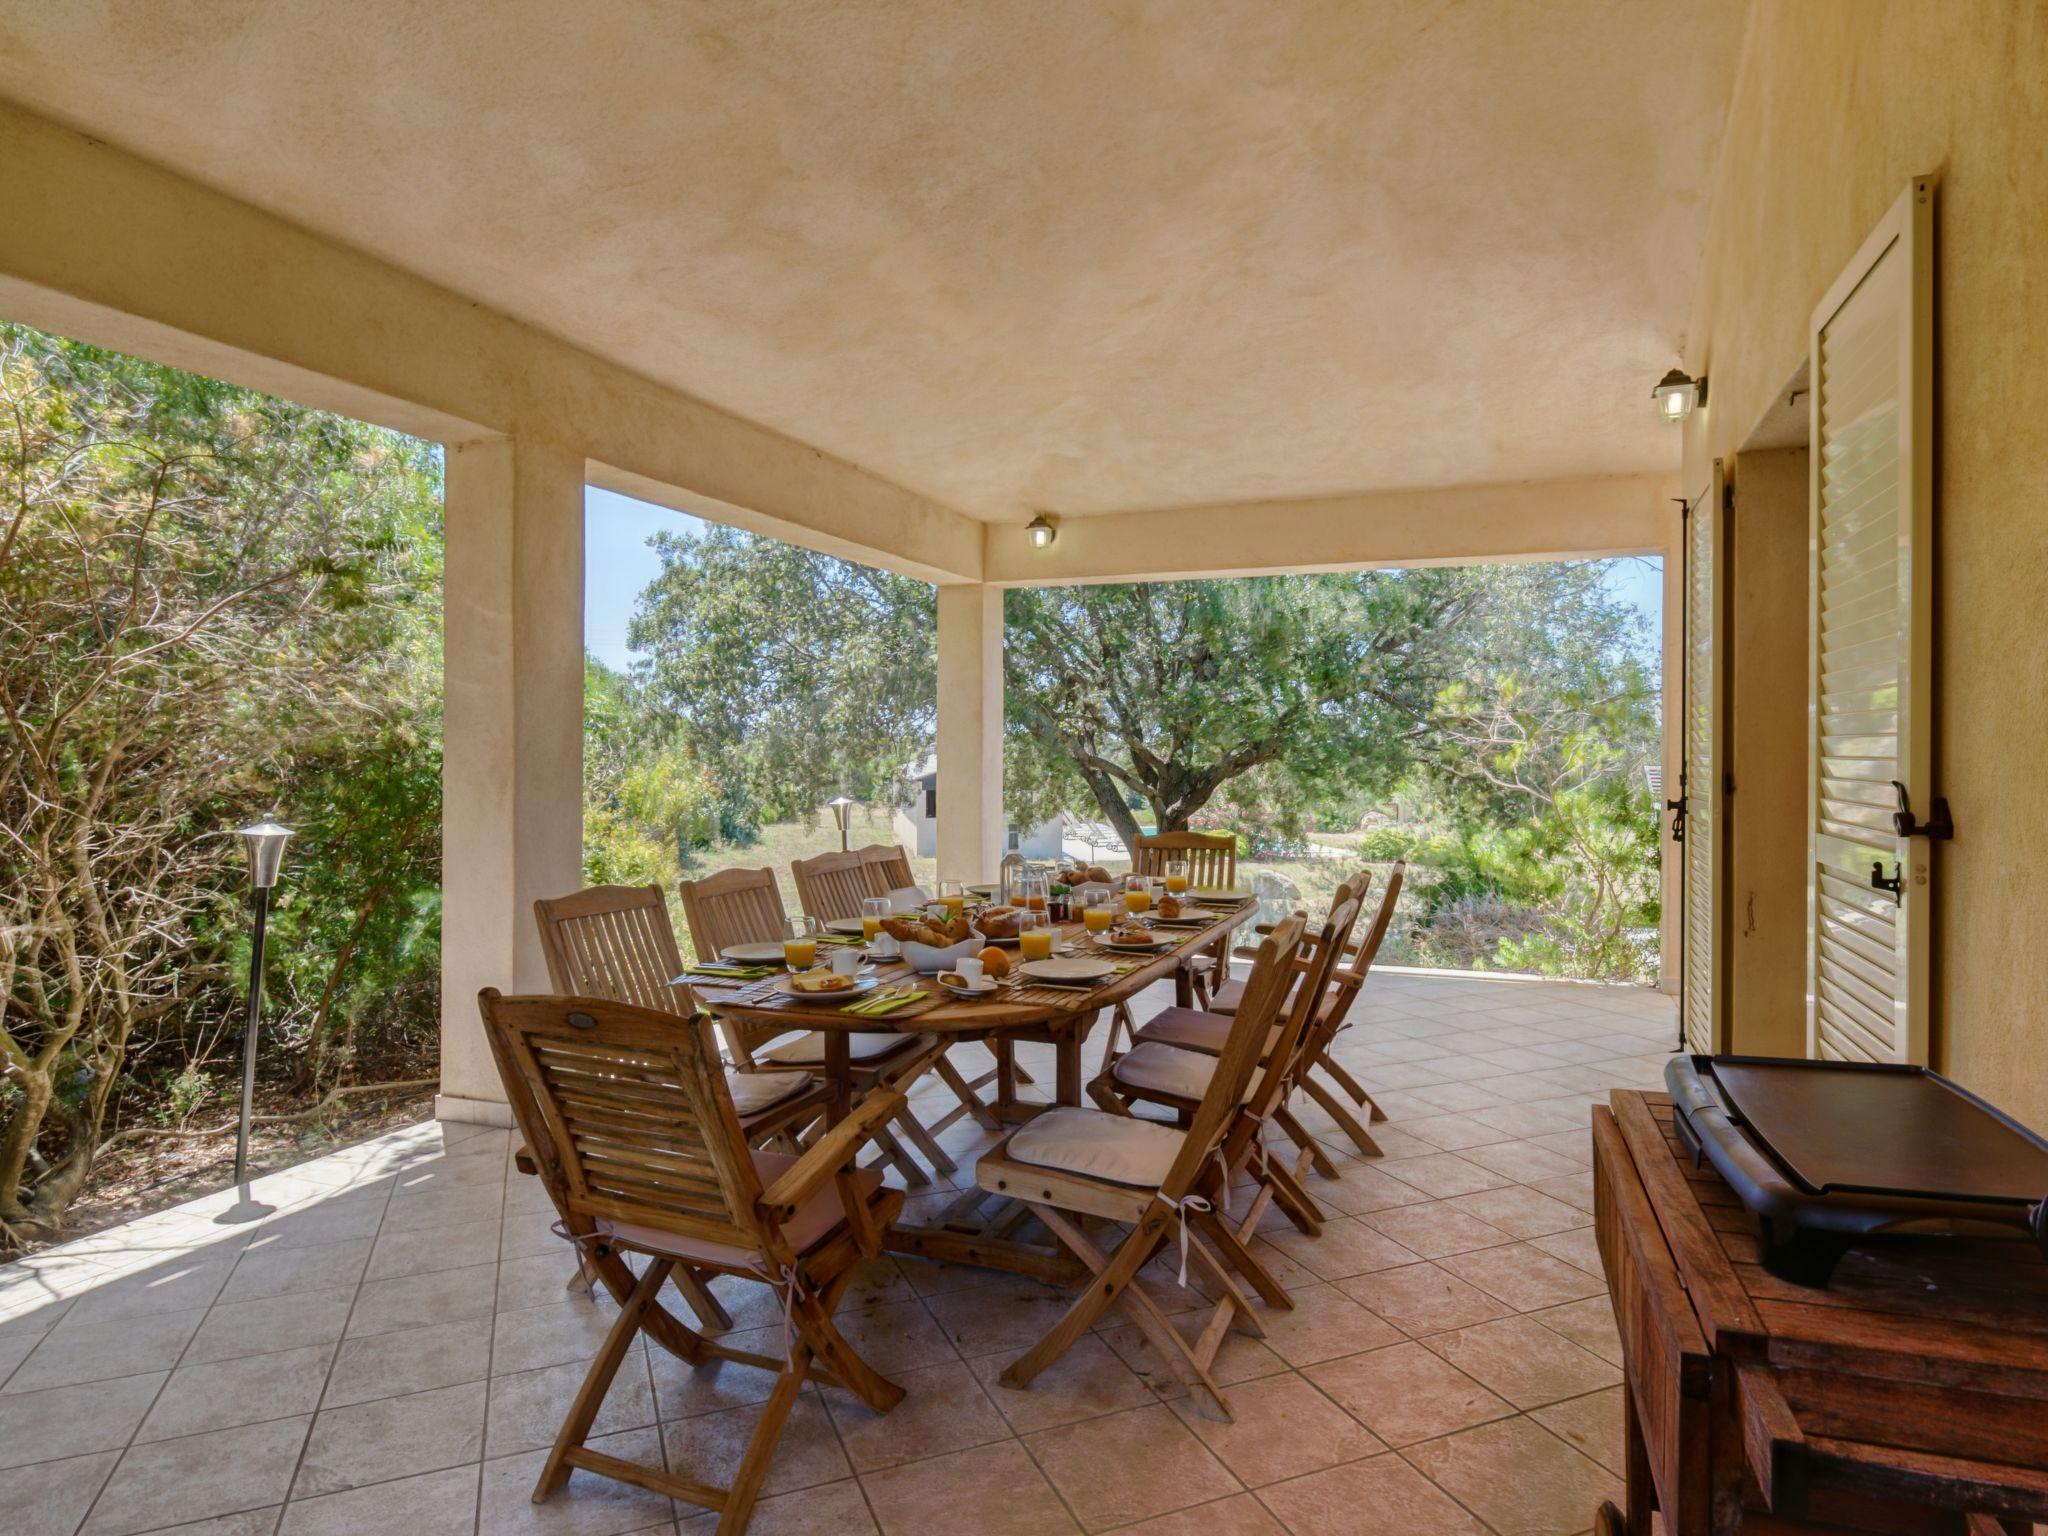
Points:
(1165, 1069)
(1191, 1029)
(1227, 995)
(908, 898)
(817, 1219)
(1114, 1148)
(808, 1048)
(753, 1092)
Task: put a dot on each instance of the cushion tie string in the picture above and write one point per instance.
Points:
(1180, 1209)
(788, 1288)
(582, 1242)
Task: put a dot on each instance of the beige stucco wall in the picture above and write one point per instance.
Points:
(1765, 976)
(1837, 104)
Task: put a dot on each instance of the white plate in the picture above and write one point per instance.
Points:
(1138, 947)
(860, 984)
(1222, 895)
(1199, 920)
(986, 989)
(845, 925)
(1067, 968)
(752, 954)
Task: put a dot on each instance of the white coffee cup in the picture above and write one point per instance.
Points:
(969, 972)
(844, 960)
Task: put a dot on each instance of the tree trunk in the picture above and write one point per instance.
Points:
(1111, 799)
(19, 1137)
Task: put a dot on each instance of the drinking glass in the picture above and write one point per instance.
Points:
(1034, 936)
(1097, 914)
(1036, 892)
(1137, 894)
(872, 910)
(954, 894)
(1177, 875)
(800, 943)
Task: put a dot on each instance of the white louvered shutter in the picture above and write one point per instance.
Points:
(1869, 683)
(1705, 540)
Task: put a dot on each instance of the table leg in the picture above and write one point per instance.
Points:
(838, 1072)
(1006, 1078)
(1184, 987)
(1639, 1489)
(1067, 1061)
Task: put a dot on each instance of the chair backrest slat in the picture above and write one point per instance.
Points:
(832, 885)
(1349, 977)
(629, 1115)
(1323, 951)
(614, 942)
(734, 906)
(1272, 973)
(1211, 857)
(888, 868)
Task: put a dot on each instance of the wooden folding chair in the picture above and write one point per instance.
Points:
(1068, 1165)
(1332, 1019)
(1155, 1072)
(744, 906)
(632, 1127)
(1212, 866)
(832, 886)
(888, 868)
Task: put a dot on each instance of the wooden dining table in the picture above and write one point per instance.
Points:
(1020, 1011)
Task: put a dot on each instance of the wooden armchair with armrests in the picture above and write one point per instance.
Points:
(741, 906)
(1212, 866)
(631, 1123)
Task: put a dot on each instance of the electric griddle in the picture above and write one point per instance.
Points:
(1829, 1154)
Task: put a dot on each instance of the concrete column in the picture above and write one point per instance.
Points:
(512, 763)
(971, 821)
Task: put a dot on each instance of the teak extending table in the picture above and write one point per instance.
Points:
(1059, 1016)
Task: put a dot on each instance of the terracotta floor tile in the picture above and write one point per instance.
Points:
(391, 1437)
(1588, 1324)
(1591, 1425)
(432, 1504)
(1518, 1477)
(69, 1421)
(1572, 1188)
(1129, 1466)
(1578, 1248)
(1242, 1358)
(1520, 1212)
(176, 1482)
(832, 1509)
(1524, 1361)
(589, 1505)
(1324, 1324)
(944, 1409)
(1423, 1298)
(993, 1490)
(1444, 1174)
(1523, 1276)
(1405, 1393)
(1089, 1380)
(1381, 1497)
(709, 1447)
(49, 1498)
(1347, 1246)
(1436, 1229)
(1239, 1515)
(527, 1409)
(1013, 1314)
(1282, 1427)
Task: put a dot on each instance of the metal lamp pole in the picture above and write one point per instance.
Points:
(841, 807)
(264, 843)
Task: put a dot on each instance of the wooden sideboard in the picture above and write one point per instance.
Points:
(1910, 1395)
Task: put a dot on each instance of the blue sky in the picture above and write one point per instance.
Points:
(617, 565)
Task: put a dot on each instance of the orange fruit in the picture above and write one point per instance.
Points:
(995, 962)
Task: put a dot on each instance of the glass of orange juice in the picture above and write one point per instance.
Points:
(872, 910)
(1137, 894)
(1097, 915)
(1177, 875)
(800, 944)
(954, 894)
(1034, 936)
(1036, 888)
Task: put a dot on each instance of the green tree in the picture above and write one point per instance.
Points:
(1167, 692)
(790, 675)
(205, 597)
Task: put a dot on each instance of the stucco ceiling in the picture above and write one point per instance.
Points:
(1072, 254)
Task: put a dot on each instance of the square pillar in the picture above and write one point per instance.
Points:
(970, 748)
(512, 759)
(1671, 870)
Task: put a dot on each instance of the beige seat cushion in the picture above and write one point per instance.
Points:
(808, 1049)
(1167, 1069)
(1227, 996)
(1114, 1148)
(1190, 1029)
(753, 1092)
(814, 1221)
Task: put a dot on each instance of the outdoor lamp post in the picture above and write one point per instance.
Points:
(842, 812)
(264, 843)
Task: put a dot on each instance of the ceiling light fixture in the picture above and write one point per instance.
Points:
(1041, 532)
(1677, 393)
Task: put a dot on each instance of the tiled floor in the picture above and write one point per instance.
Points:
(393, 1348)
